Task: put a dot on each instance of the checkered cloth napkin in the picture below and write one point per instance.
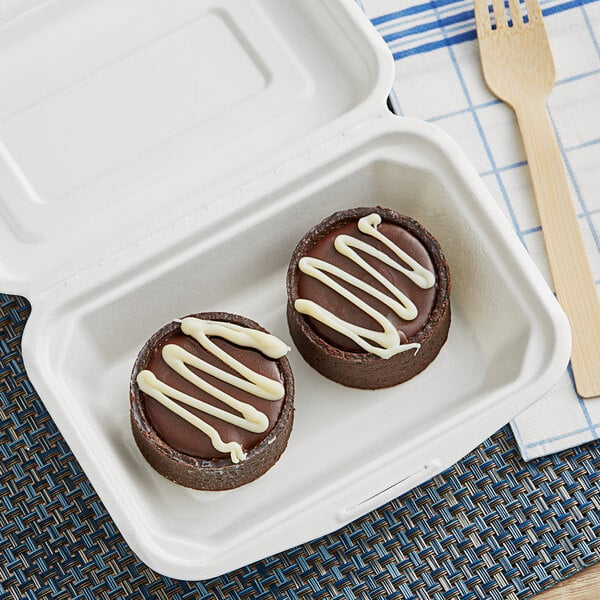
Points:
(439, 79)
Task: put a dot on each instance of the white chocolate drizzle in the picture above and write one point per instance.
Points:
(250, 381)
(385, 343)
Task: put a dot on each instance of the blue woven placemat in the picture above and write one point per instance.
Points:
(489, 527)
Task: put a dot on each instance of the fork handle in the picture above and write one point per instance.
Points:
(568, 260)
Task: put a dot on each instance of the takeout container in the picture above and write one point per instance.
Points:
(161, 162)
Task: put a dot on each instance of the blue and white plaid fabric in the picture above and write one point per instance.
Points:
(438, 79)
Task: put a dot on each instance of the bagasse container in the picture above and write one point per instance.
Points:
(160, 159)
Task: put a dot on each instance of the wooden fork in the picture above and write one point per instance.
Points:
(519, 69)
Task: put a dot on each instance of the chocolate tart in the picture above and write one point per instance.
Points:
(411, 300)
(186, 449)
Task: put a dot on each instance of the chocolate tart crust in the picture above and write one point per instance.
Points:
(361, 369)
(202, 474)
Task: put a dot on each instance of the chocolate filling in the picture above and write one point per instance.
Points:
(312, 289)
(183, 436)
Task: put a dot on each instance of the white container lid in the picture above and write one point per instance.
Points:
(119, 121)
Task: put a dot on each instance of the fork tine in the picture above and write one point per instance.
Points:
(515, 13)
(534, 12)
(482, 18)
(500, 14)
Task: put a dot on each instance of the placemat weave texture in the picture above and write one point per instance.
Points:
(490, 527)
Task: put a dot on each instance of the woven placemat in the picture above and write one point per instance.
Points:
(489, 527)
